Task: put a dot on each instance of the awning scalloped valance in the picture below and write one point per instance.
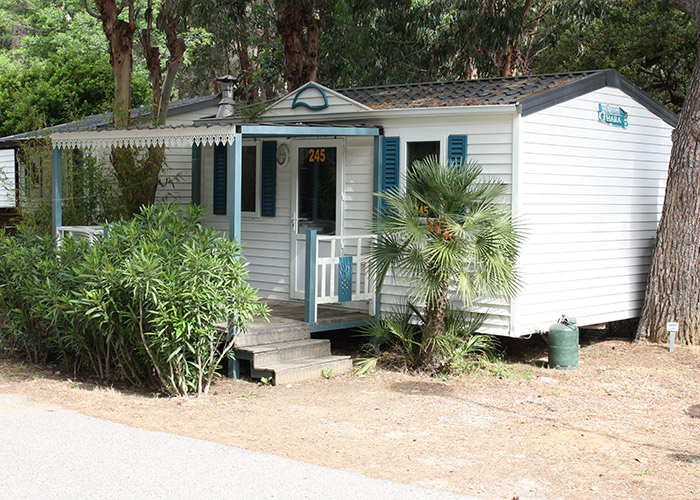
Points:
(176, 137)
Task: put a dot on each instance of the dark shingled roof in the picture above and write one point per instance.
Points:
(461, 92)
(533, 93)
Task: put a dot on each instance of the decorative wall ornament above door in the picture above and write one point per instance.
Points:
(312, 92)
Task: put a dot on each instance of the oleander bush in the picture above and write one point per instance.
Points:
(140, 306)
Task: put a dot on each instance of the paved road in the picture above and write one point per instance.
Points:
(51, 453)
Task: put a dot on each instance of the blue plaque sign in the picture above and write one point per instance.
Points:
(612, 115)
(345, 279)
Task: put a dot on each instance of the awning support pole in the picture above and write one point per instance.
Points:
(56, 190)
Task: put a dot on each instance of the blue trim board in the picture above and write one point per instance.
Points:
(310, 277)
(339, 325)
(235, 182)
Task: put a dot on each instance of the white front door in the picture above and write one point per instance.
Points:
(316, 201)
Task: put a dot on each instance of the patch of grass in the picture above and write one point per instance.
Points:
(364, 366)
(252, 394)
(327, 373)
(645, 472)
(265, 380)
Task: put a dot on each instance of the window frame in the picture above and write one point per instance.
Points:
(258, 181)
(208, 162)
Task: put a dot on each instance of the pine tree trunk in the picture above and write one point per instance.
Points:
(673, 289)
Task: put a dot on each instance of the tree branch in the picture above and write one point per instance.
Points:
(690, 7)
(92, 13)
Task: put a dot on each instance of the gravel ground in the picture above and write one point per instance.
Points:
(621, 427)
(51, 453)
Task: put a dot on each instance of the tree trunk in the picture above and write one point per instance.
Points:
(434, 328)
(673, 288)
(120, 35)
(300, 29)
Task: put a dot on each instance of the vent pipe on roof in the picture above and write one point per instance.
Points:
(226, 103)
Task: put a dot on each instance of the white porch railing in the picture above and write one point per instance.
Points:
(336, 272)
(89, 233)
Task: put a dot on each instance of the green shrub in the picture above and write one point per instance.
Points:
(27, 266)
(458, 348)
(140, 306)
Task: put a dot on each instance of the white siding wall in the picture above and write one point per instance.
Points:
(490, 143)
(177, 176)
(590, 196)
(266, 240)
(7, 178)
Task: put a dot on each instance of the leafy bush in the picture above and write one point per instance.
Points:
(140, 306)
(27, 266)
(458, 348)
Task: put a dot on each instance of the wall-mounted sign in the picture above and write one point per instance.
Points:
(612, 115)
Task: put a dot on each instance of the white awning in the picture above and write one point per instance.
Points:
(178, 136)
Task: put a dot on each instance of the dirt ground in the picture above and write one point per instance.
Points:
(620, 427)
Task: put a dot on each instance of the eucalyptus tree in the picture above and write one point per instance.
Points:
(138, 174)
(446, 233)
(649, 42)
(673, 289)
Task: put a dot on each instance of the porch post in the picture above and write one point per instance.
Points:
(310, 278)
(235, 175)
(375, 206)
(56, 190)
(235, 179)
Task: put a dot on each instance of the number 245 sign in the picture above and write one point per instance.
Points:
(317, 154)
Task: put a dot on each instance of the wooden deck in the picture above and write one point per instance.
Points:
(289, 313)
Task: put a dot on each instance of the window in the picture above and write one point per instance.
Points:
(249, 180)
(249, 187)
(417, 151)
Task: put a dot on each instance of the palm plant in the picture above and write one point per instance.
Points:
(446, 235)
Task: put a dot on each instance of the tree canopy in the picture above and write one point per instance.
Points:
(54, 58)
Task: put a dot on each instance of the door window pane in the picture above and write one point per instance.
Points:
(317, 189)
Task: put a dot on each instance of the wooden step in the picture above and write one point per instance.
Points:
(272, 334)
(288, 372)
(267, 354)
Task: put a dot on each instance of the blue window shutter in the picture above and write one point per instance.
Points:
(196, 174)
(456, 149)
(220, 180)
(390, 163)
(389, 168)
(268, 205)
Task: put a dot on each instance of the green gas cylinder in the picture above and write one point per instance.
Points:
(563, 344)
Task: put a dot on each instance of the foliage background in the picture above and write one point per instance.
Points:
(54, 64)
